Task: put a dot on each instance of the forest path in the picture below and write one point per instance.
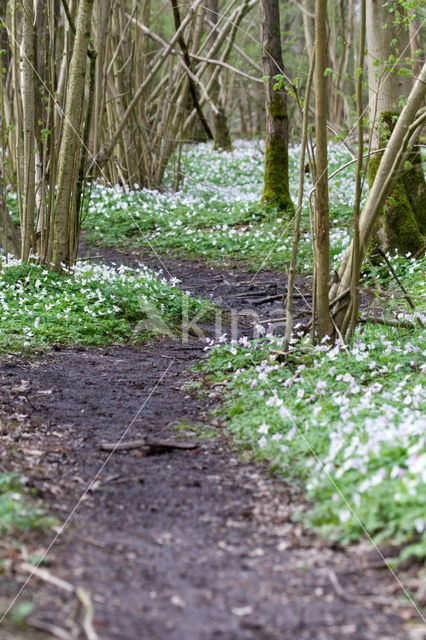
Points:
(188, 545)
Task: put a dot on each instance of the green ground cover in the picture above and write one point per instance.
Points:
(92, 305)
(18, 510)
(346, 424)
(216, 214)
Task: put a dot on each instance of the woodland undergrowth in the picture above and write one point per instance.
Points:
(345, 422)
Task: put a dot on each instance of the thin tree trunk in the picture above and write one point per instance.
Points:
(321, 218)
(352, 313)
(192, 87)
(9, 236)
(222, 137)
(297, 218)
(64, 215)
(308, 9)
(28, 106)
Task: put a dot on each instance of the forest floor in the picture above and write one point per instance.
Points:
(187, 545)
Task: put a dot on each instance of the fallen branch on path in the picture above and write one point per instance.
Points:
(278, 296)
(248, 294)
(302, 313)
(46, 576)
(84, 601)
(389, 322)
(53, 629)
(370, 600)
(151, 447)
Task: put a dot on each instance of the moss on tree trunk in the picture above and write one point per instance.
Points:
(402, 223)
(414, 182)
(276, 191)
(276, 179)
(275, 187)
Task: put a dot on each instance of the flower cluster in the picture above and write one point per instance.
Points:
(94, 304)
(216, 213)
(350, 423)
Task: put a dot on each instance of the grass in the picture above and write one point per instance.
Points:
(93, 305)
(18, 510)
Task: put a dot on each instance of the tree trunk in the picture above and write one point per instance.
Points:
(403, 220)
(308, 8)
(222, 137)
(276, 181)
(9, 236)
(65, 215)
(192, 86)
(389, 164)
(321, 217)
(28, 106)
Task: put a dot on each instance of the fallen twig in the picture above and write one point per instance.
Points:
(389, 322)
(81, 594)
(282, 319)
(151, 446)
(279, 296)
(248, 294)
(365, 601)
(271, 320)
(46, 576)
(89, 258)
(338, 588)
(264, 284)
(89, 612)
(53, 629)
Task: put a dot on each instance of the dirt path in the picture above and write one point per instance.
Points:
(188, 545)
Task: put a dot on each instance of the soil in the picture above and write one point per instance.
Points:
(188, 545)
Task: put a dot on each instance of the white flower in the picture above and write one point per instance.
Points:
(420, 525)
(263, 428)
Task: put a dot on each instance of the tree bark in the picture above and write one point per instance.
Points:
(222, 137)
(65, 214)
(276, 190)
(321, 217)
(308, 9)
(28, 108)
(388, 166)
(188, 62)
(9, 236)
(403, 221)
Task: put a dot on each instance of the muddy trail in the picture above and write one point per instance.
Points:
(186, 545)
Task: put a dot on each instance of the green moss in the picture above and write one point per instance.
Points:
(398, 227)
(277, 107)
(415, 186)
(385, 125)
(276, 181)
